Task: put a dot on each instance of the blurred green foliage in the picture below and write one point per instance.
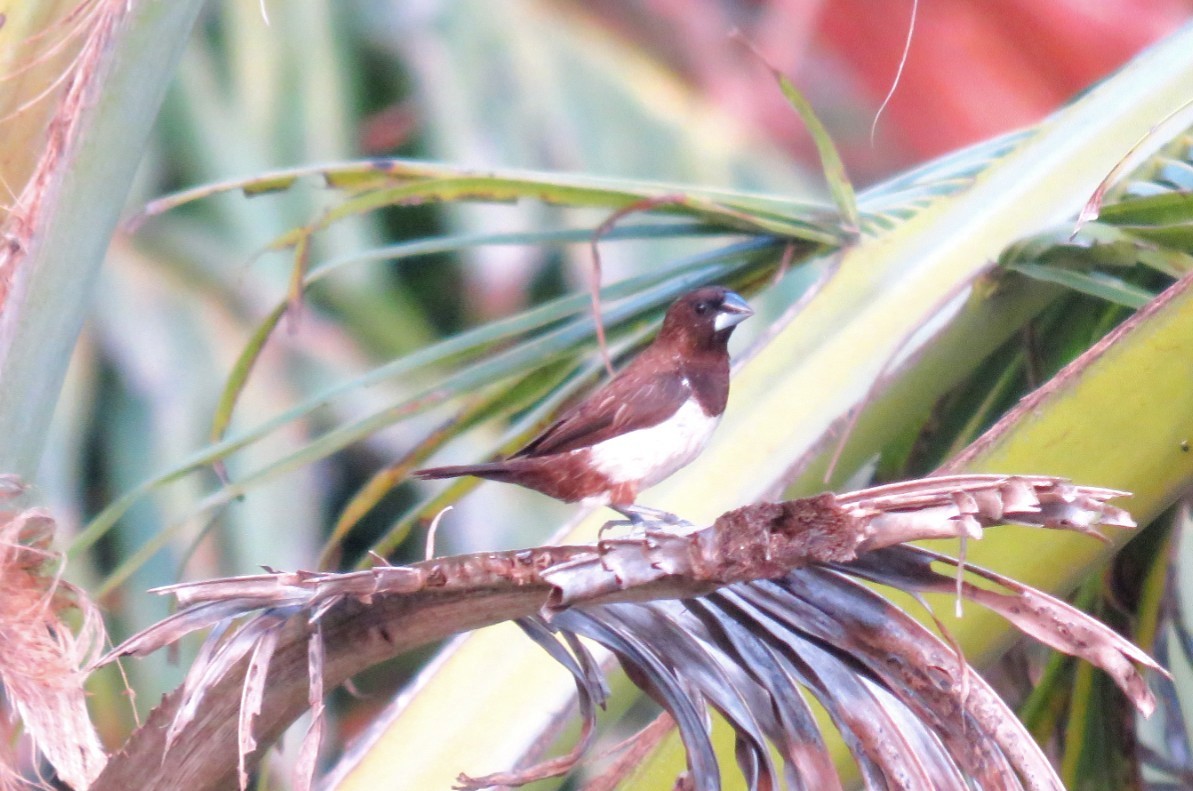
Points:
(459, 325)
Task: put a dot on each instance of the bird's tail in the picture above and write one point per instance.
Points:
(495, 471)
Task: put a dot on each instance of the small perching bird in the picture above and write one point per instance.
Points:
(651, 419)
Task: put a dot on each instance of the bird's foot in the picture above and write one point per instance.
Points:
(617, 524)
(642, 518)
(641, 514)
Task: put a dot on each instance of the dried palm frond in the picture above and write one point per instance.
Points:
(41, 655)
(748, 617)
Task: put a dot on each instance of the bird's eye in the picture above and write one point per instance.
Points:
(701, 308)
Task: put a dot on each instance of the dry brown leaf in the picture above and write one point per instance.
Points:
(41, 657)
(638, 595)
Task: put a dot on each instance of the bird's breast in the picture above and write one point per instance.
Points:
(648, 455)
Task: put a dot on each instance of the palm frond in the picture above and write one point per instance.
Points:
(758, 612)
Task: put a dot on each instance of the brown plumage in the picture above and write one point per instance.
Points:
(651, 419)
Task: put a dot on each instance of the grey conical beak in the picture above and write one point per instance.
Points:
(733, 311)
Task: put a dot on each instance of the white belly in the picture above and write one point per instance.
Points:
(649, 455)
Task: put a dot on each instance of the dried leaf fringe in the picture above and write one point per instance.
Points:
(41, 655)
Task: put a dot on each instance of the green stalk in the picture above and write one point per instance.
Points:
(59, 234)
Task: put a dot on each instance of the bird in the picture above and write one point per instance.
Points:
(652, 418)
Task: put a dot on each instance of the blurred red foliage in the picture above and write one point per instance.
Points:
(975, 68)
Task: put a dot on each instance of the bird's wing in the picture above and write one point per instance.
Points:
(625, 404)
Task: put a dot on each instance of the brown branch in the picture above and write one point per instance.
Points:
(357, 635)
(191, 740)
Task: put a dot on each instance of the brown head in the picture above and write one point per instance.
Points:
(703, 320)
